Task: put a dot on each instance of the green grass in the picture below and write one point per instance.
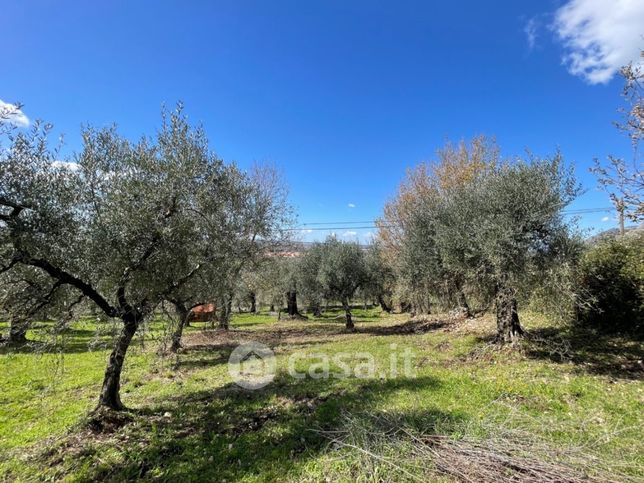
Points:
(190, 422)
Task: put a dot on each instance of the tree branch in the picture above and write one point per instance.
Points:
(12, 263)
(69, 279)
(175, 285)
(45, 300)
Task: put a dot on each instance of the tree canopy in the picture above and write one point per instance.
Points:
(125, 224)
(335, 270)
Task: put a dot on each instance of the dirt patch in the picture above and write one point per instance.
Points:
(414, 326)
(275, 335)
(291, 334)
(104, 420)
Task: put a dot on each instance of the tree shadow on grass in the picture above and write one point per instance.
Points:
(199, 356)
(616, 356)
(259, 323)
(231, 433)
(202, 355)
(336, 312)
(298, 336)
(69, 340)
(409, 327)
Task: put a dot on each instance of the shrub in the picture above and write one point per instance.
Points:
(612, 282)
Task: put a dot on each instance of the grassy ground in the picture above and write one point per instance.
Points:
(568, 399)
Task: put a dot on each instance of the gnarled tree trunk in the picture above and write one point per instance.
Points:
(110, 393)
(315, 309)
(507, 318)
(291, 303)
(405, 306)
(253, 303)
(184, 314)
(347, 313)
(421, 305)
(383, 304)
(226, 311)
(18, 330)
(458, 295)
(463, 306)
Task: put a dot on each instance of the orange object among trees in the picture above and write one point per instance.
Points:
(203, 313)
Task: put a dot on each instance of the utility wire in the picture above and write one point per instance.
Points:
(336, 228)
(338, 223)
(371, 224)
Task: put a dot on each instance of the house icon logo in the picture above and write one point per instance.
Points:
(252, 365)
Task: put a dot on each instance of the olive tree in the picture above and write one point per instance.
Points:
(308, 282)
(505, 228)
(264, 220)
(259, 283)
(123, 224)
(342, 270)
(250, 287)
(407, 228)
(288, 283)
(420, 266)
(245, 226)
(380, 277)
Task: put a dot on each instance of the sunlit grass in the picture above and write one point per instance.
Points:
(191, 422)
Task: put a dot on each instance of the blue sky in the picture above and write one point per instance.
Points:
(342, 96)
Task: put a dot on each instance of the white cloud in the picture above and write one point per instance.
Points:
(351, 205)
(606, 218)
(65, 165)
(530, 29)
(13, 115)
(307, 230)
(349, 233)
(600, 36)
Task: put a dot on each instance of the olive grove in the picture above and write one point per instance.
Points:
(126, 225)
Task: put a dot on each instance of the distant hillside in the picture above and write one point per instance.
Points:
(613, 233)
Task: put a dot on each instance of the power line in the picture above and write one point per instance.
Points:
(371, 224)
(336, 228)
(338, 223)
(587, 210)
